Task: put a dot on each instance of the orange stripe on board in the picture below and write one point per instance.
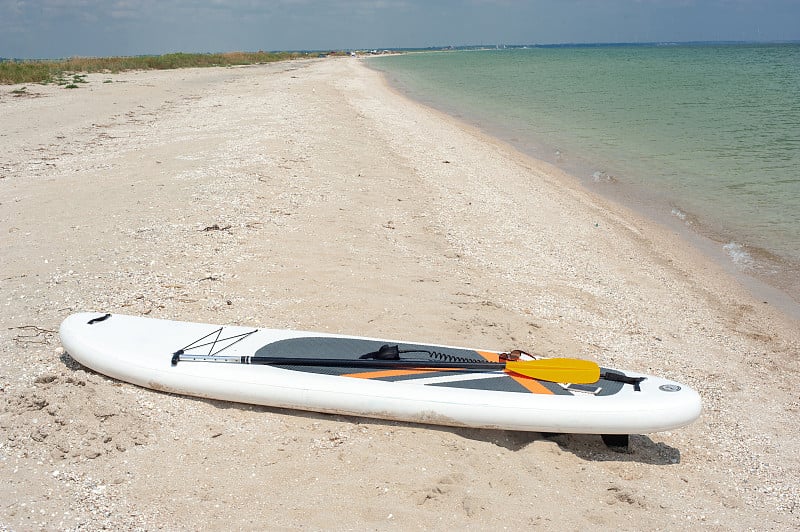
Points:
(532, 385)
(489, 355)
(393, 373)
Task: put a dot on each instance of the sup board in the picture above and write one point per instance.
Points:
(376, 378)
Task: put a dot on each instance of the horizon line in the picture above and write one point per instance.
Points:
(483, 46)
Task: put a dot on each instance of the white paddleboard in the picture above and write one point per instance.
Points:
(210, 361)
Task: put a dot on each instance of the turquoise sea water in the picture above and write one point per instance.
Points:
(702, 136)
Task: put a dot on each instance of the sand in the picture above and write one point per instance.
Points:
(309, 195)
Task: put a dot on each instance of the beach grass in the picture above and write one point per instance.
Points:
(47, 71)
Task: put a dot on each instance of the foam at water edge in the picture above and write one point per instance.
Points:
(600, 176)
(738, 255)
(679, 214)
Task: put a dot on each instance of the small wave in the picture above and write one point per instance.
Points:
(677, 213)
(738, 255)
(602, 177)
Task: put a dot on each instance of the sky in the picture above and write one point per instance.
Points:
(66, 28)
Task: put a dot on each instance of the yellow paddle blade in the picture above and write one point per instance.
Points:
(570, 370)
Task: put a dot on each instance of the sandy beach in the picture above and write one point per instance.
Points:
(309, 195)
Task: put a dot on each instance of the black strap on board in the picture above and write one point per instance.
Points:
(619, 377)
(392, 352)
(98, 319)
(386, 352)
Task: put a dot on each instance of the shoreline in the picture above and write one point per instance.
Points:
(754, 276)
(770, 278)
(303, 195)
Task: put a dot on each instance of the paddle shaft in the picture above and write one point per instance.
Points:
(553, 369)
(341, 363)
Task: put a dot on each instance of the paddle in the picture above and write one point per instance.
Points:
(570, 370)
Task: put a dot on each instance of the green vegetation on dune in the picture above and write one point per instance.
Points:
(24, 72)
(12, 72)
